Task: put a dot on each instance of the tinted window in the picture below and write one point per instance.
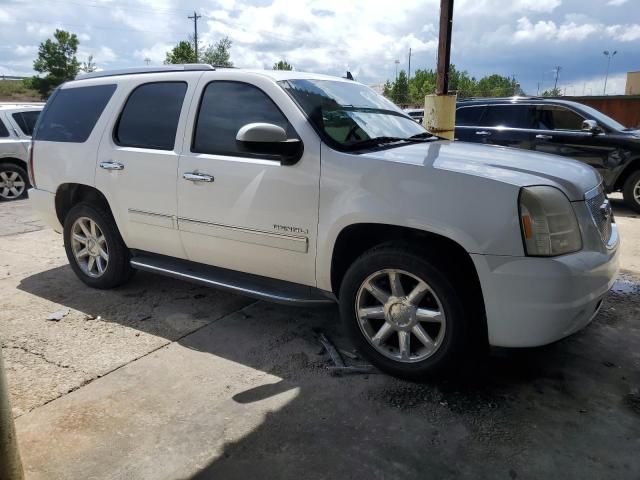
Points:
(26, 121)
(225, 108)
(469, 115)
(3, 130)
(513, 116)
(557, 118)
(150, 117)
(71, 113)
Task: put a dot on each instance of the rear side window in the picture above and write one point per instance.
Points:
(225, 108)
(150, 116)
(469, 116)
(3, 130)
(511, 116)
(71, 113)
(26, 121)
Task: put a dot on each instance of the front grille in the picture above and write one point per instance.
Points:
(600, 210)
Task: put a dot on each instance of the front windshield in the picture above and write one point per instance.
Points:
(349, 115)
(602, 119)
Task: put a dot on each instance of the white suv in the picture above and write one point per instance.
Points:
(16, 125)
(306, 189)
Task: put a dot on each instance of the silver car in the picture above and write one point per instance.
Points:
(17, 122)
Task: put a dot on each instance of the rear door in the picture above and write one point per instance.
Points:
(507, 125)
(138, 159)
(23, 124)
(468, 122)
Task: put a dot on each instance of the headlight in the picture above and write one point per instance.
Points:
(549, 224)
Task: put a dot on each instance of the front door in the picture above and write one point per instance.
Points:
(559, 132)
(242, 211)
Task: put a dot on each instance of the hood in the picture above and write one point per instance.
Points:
(510, 165)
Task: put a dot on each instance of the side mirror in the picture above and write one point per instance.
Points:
(269, 140)
(591, 126)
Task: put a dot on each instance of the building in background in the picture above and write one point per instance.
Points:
(633, 83)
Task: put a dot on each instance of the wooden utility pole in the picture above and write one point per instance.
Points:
(444, 47)
(10, 464)
(440, 109)
(195, 18)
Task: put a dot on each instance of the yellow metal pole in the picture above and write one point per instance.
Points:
(440, 109)
(10, 463)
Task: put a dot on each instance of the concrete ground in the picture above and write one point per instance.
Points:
(162, 379)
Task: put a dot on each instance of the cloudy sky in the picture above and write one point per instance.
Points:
(525, 38)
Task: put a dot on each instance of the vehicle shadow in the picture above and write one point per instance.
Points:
(375, 426)
(620, 208)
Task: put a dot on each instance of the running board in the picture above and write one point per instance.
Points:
(262, 288)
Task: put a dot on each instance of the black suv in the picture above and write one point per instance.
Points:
(560, 127)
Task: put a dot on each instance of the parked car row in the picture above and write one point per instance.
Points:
(559, 127)
(16, 126)
(307, 189)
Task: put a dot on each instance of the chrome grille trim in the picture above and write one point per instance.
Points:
(598, 205)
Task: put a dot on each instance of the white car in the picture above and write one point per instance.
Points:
(306, 189)
(16, 125)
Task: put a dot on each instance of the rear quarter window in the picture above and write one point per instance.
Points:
(26, 120)
(71, 113)
(3, 130)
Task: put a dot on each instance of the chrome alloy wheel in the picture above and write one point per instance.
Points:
(636, 192)
(12, 184)
(89, 247)
(400, 315)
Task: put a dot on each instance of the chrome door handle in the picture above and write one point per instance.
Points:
(111, 166)
(197, 177)
(484, 133)
(543, 137)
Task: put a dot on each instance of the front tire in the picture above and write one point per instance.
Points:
(631, 191)
(404, 314)
(14, 182)
(96, 252)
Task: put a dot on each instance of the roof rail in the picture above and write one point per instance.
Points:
(135, 70)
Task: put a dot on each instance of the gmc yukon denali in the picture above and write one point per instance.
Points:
(307, 189)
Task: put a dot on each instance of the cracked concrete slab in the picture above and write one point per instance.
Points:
(179, 381)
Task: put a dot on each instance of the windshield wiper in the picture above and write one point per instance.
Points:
(380, 141)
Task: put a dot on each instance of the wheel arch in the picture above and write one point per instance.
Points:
(632, 166)
(355, 239)
(70, 194)
(14, 161)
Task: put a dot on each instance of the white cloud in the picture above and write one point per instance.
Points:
(156, 53)
(548, 30)
(24, 50)
(5, 17)
(624, 33)
(616, 2)
(594, 85)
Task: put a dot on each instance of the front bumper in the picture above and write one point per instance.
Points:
(532, 301)
(44, 204)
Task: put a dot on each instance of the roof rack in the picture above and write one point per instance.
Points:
(519, 97)
(135, 70)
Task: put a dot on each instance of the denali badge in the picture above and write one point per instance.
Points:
(285, 228)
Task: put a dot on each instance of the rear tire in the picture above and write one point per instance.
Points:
(96, 252)
(631, 191)
(14, 182)
(382, 324)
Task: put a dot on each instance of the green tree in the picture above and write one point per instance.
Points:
(57, 61)
(387, 90)
(400, 89)
(552, 92)
(496, 86)
(218, 55)
(282, 65)
(88, 66)
(183, 52)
